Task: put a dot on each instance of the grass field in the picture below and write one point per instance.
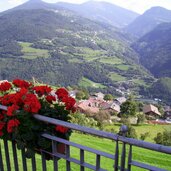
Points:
(111, 60)
(88, 83)
(123, 67)
(143, 155)
(116, 77)
(32, 53)
(152, 129)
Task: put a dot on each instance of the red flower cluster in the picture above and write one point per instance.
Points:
(63, 95)
(61, 129)
(21, 83)
(42, 90)
(7, 99)
(27, 99)
(12, 109)
(5, 86)
(50, 98)
(12, 124)
(31, 103)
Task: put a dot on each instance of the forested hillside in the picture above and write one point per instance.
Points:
(155, 50)
(60, 47)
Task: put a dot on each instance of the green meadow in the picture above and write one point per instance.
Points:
(33, 53)
(88, 83)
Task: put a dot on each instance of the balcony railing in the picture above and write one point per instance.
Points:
(122, 157)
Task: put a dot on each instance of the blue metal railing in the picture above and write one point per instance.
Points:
(119, 158)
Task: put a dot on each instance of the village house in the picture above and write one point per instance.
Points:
(120, 100)
(98, 96)
(110, 107)
(90, 105)
(87, 106)
(151, 111)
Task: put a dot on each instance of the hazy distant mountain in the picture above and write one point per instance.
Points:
(148, 21)
(103, 12)
(155, 50)
(33, 4)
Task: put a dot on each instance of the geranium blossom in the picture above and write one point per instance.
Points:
(61, 129)
(12, 124)
(21, 83)
(12, 109)
(62, 93)
(42, 90)
(4, 86)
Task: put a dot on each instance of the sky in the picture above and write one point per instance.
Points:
(138, 6)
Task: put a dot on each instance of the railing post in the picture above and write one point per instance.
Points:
(68, 166)
(81, 160)
(1, 161)
(129, 158)
(116, 155)
(55, 159)
(123, 131)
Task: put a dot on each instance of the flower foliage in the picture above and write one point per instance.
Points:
(23, 100)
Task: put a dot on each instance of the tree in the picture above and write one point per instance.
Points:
(129, 108)
(163, 138)
(131, 132)
(108, 97)
(140, 118)
(80, 95)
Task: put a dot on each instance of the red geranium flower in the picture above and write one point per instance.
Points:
(4, 86)
(7, 99)
(50, 98)
(69, 102)
(12, 124)
(42, 90)
(31, 103)
(21, 83)
(61, 129)
(12, 109)
(62, 93)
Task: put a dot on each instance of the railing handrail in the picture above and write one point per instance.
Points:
(116, 137)
(131, 141)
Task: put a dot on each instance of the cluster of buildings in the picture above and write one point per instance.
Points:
(96, 103)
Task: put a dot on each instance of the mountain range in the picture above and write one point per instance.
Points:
(102, 11)
(148, 21)
(90, 45)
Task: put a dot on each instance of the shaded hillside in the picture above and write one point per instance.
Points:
(102, 11)
(155, 50)
(30, 25)
(161, 89)
(148, 21)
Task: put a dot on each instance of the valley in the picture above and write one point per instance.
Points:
(61, 45)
